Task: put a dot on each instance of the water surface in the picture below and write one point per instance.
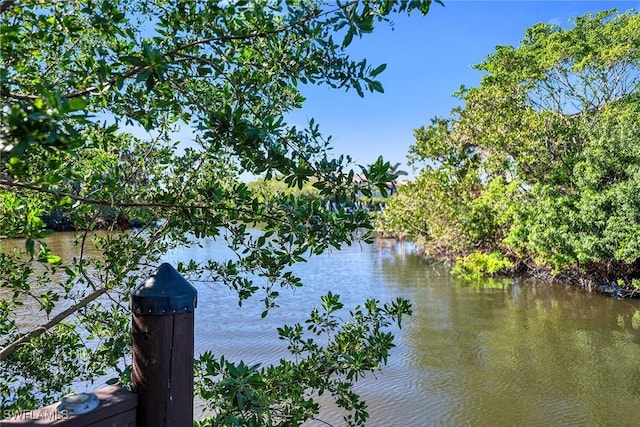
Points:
(479, 354)
(516, 353)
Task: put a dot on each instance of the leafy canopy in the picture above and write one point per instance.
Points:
(94, 96)
(540, 163)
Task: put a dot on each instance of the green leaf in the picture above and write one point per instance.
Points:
(348, 38)
(358, 88)
(53, 259)
(378, 70)
(65, 201)
(377, 87)
(29, 245)
(76, 104)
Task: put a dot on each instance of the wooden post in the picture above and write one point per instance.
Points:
(162, 328)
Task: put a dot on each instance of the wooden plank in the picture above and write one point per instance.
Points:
(117, 409)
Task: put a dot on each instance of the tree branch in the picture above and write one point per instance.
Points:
(99, 202)
(138, 69)
(6, 4)
(8, 350)
(24, 339)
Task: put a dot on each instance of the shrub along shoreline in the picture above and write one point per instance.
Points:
(538, 171)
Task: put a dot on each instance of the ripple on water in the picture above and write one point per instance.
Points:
(526, 356)
(391, 400)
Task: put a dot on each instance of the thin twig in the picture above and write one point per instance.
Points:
(101, 202)
(8, 350)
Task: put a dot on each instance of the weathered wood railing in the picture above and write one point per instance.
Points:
(117, 409)
(162, 369)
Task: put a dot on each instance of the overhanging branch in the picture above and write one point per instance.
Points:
(8, 350)
(138, 69)
(100, 202)
(6, 4)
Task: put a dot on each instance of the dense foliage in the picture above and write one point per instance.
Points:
(95, 95)
(359, 185)
(267, 188)
(539, 169)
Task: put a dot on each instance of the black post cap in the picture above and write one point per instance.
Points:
(163, 294)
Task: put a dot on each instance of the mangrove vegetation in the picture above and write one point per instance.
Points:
(538, 170)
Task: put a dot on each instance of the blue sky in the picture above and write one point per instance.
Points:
(427, 58)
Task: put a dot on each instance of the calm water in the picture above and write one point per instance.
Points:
(489, 354)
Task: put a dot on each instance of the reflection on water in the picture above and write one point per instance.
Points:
(484, 354)
(67, 245)
(481, 354)
(522, 353)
